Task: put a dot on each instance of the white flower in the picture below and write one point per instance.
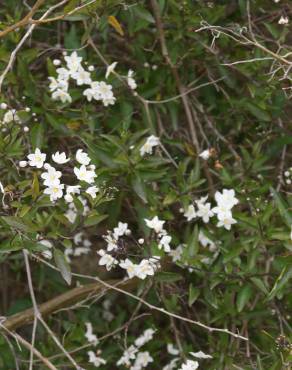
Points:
(145, 337)
(129, 266)
(73, 61)
(78, 238)
(111, 242)
(150, 143)
(204, 211)
(54, 191)
(202, 200)
(171, 365)
(56, 62)
(177, 253)
(143, 359)
(61, 95)
(48, 253)
(155, 224)
(164, 243)
(71, 189)
(121, 229)
(22, 164)
(106, 260)
(36, 159)
(206, 241)
(190, 213)
(226, 222)
(104, 90)
(95, 360)
(92, 338)
(130, 80)
(283, 20)
(110, 69)
(82, 157)
(92, 190)
(226, 198)
(109, 101)
(89, 93)
(129, 354)
(190, 365)
(222, 211)
(205, 154)
(60, 158)
(11, 115)
(200, 354)
(71, 215)
(63, 74)
(58, 84)
(291, 233)
(83, 174)
(68, 198)
(144, 269)
(51, 177)
(81, 76)
(172, 350)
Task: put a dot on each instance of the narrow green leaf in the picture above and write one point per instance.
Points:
(63, 265)
(243, 297)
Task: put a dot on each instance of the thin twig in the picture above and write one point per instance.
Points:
(28, 346)
(22, 41)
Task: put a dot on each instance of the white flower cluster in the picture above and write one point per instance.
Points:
(288, 176)
(71, 213)
(177, 253)
(284, 20)
(131, 81)
(225, 202)
(94, 358)
(142, 359)
(51, 177)
(163, 238)
(97, 90)
(189, 364)
(12, 115)
(82, 245)
(193, 365)
(142, 270)
(148, 146)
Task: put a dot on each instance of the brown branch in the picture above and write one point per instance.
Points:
(24, 21)
(63, 300)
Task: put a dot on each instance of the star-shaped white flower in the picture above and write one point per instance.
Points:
(60, 158)
(155, 224)
(36, 159)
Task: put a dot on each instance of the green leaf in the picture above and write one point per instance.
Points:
(243, 297)
(193, 294)
(168, 277)
(18, 224)
(139, 188)
(281, 281)
(63, 266)
(260, 114)
(282, 207)
(260, 284)
(94, 220)
(192, 244)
